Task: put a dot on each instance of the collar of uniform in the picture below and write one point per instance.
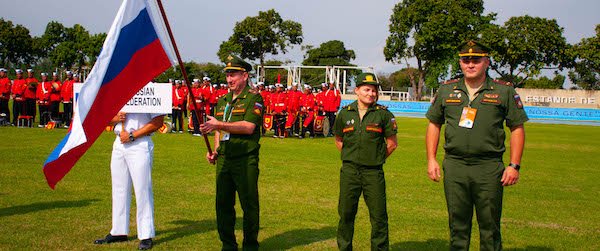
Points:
(243, 94)
(354, 106)
(460, 85)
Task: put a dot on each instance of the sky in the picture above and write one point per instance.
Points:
(200, 27)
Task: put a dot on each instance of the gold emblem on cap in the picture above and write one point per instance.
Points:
(229, 64)
(471, 43)
(229, 57)
(369, 78)
(470, 50)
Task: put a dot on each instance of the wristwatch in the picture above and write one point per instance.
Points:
(132, 139)
(515, 166)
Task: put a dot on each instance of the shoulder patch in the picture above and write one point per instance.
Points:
(502, 82)
(451, 81)
(382, 107)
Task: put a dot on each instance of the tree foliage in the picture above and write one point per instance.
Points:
(256, 36)
(399, 80)
(330, 53)
(524, 46)
(586, 71)
(15, 44)
(545, 82)
(430, 31)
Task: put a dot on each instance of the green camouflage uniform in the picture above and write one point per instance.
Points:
(473, 163)
(364, 151)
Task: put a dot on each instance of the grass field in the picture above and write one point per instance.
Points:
(555, 206)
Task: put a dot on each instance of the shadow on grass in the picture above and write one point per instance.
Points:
(297, 237)
(431, 244)
(189, 227)
(40, 206)
(528, 248)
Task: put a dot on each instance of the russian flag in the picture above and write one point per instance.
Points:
(137, 49)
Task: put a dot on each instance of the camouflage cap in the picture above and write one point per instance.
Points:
(473, 48)
(366, 79)
(234, 63)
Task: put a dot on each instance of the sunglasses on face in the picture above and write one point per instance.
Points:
(474, 60)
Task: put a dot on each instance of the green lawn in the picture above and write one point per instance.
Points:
(554, 206)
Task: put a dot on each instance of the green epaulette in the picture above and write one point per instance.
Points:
(502, 82)
(451, 81)
(380, 107)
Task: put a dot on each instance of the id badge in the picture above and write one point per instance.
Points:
(467, 118)
(224, 136)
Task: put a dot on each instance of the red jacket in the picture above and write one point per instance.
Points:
(31, 88)
(222, 92)
(43, 93)
(198, 98)
(66, 90)
(5, 88)
(18, 89)
(294, 100)
(278, 102)
(266, 95)
(55, 91)
(308, 102)
(178, 96)
(331, 100)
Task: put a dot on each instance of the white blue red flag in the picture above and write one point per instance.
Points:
(137, 49)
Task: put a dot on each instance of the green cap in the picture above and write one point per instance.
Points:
(473, 48)
(234, 63)
(366, 79)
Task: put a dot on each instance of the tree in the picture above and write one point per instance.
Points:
(329, 53)
(586, 71)
(398, 80)
(267, 33)
(545, 82)
(436, 29)
(524, 46)
(15, 44)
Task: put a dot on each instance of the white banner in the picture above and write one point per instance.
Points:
(152, 98)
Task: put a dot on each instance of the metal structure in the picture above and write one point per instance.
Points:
(333, 74)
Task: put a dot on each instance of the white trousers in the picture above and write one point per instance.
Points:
(132, 162)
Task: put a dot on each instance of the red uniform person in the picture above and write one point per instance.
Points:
(331, 104)
(66, 95)
(178, 98)
(308, 107)
(29, 93)
(278, 104)
(43, 99)
(197, 91)
(18, 89)
(293, 107)
(5, 86)
(55, 95)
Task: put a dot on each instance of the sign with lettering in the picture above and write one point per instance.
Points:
(152, 98)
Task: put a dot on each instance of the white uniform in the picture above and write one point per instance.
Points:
(132, 162)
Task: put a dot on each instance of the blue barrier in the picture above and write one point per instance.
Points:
(418, 109)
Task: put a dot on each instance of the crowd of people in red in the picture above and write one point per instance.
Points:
(292, 111)
(28, 91)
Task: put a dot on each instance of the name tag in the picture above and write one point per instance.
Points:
(467, 118)
(223, 136)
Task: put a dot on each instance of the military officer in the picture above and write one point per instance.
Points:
(365, 133)
(237, 122)
(474, 109)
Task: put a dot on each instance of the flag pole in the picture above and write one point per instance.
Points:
(199, 119)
